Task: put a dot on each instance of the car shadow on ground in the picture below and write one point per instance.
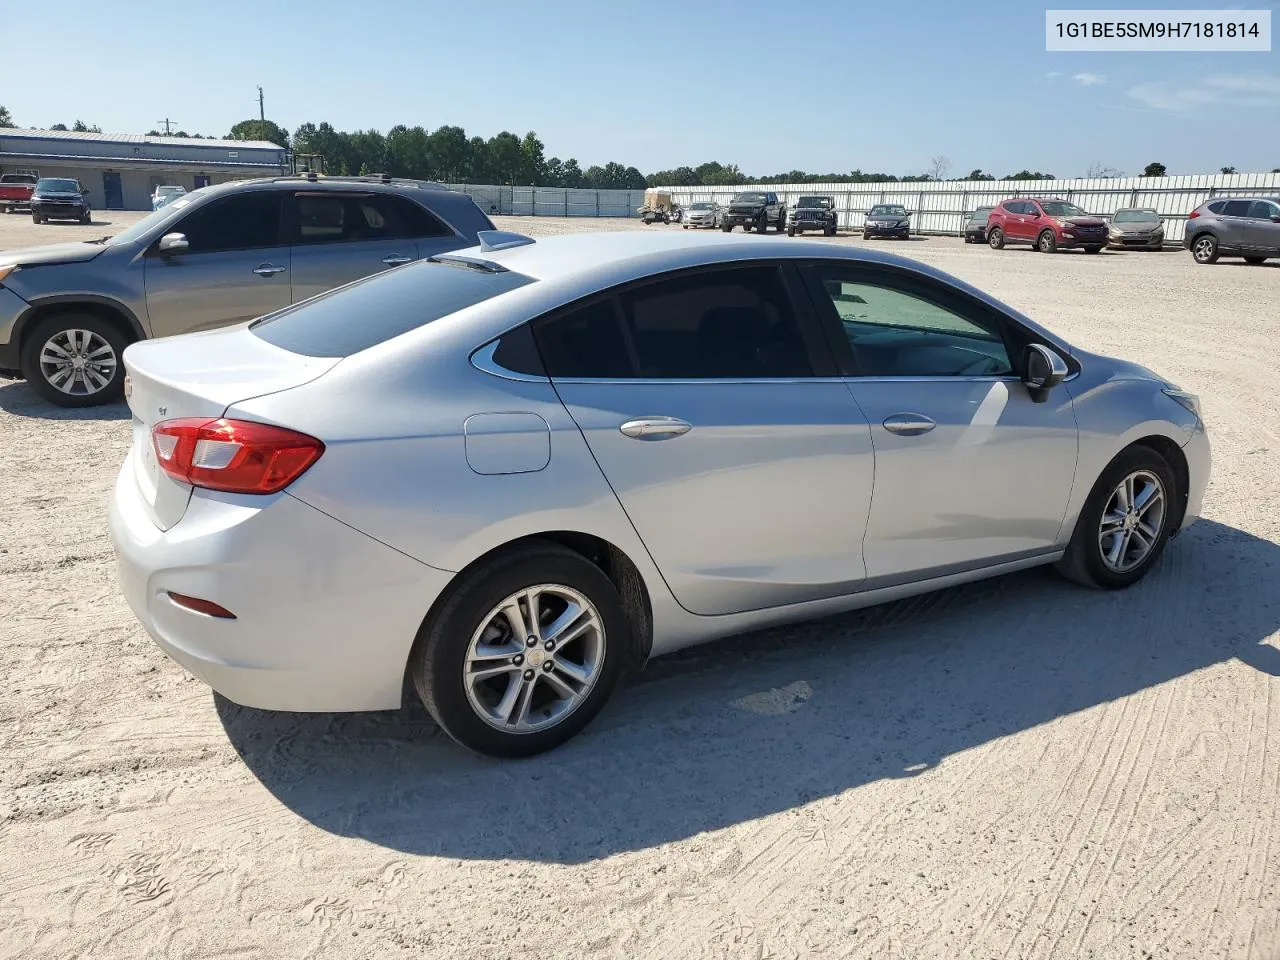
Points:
(747, 727)
(17, 398)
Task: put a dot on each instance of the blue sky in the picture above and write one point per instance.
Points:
(890, 85)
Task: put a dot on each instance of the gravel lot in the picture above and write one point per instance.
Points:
(1015, 769)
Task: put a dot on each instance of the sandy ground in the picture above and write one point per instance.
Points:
(1015, 769)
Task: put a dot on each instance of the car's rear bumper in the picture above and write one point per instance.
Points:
(325, 616)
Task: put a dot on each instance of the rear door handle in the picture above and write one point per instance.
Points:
(395, 260)
(269, 269)
(909, 424)
(655, 428)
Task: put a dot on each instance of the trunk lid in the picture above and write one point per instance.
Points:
(199, 375)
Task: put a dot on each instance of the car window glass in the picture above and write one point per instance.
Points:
(350, 218)
(1217, 207)
(720, 324)
(1237, 208)
(1263, 210)
(585, 343)
(240, 222)
(897, 331)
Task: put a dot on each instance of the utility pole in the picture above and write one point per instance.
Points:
(167, 124)
(262, 110)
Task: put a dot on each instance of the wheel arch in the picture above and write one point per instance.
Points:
(608, 557)
(110, 310)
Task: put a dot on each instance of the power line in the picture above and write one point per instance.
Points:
(167, 124)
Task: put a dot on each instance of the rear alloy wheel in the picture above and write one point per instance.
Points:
(1047, 242)
(1205, 249)
(1255, 261)
(1125, 522)
(995, 238)
(73, 360)
(523, 652)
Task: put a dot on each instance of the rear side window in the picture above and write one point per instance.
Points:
(585, 343)
(1237, 208)
(1217, 206)
(349, 218)
(370, 311)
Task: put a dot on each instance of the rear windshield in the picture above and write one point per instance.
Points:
(370, 311)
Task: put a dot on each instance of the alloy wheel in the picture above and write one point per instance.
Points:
(534, 658)
(1203, 249)
(78, 362)
(1132, 521)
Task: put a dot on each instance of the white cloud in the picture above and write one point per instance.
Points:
(1089, 79)
(1240, 90)
(1053, 75)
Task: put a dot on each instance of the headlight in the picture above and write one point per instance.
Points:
(1188, 401)
(6, 269)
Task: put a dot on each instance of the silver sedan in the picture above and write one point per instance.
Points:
(515, 472)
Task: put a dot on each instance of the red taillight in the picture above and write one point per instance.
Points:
(235, 456)
(1193, 214)
(201, 606)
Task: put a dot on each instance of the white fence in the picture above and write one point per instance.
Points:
(937, 207)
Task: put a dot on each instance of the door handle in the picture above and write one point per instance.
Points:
(655, 428)
(909, 424)
(395, 260)
(268, 269)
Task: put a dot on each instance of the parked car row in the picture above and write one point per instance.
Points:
(1245, 227)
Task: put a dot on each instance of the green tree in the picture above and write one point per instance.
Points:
(366, 151)
(1228, 169)
(81, 127)
(533, 165)
(572, 175)
(58, 126)
(978, 174)
(479, 163)
(6, 118)
(264, 130)
(408, 152)
(448, 149)
(1029, 175)
(1154, 170)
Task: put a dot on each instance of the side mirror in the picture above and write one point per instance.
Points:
(1043, 370)
(173, 243)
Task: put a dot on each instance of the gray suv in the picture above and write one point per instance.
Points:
(218, 256)
(1247, 227)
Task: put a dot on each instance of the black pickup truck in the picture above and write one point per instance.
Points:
(755, 208)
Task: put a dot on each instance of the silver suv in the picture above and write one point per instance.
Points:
(218, 256)
(1246, 227)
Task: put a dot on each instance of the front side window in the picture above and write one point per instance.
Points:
(1263, 210)
(721, 324)
(240, 222)
(898, 327)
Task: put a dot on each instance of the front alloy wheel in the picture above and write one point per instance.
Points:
(1132, 521)
(79, 363)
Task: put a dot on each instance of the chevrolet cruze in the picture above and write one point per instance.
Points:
(514, 472)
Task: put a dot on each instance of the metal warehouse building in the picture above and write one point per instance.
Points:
(121, 171)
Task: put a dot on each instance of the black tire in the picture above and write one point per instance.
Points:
(438, 661)
(1204, 249)
(87, 218)
(1047, 242)
(995, 238)
(727, 227)
(866, 235)
(829, 232)
(1255, 261)
(1092, 249)
(791, 231)
(33, 343)
(1083, 561)
(685, 225)
(762, 224)
(35, 218)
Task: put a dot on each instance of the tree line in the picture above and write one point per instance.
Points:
(448, 154)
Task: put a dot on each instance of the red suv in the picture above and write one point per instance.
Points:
(1045, 224)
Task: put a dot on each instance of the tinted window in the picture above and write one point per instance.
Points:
(720, 324)
(1237, 208)
(356, 317)
(517, 352)
(898, 328)
(348, 218)
(1217, 206)
(1263, 210)
(239, 222)
(586, 342)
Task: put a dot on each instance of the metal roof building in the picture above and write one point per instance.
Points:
(121, 171)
